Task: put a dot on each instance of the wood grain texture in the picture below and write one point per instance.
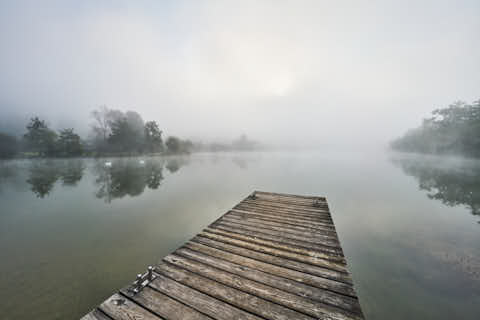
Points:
(300, 231)
(284, 272)
(273, 256)
(284, 212)
(304, 226)
(276, 220)
(316, 238)
(318, 204)
(164, 306)
(282, 237)
(95, 315)
(198, 300)
(336, 300)
(279, 210)
(257, 289)
(231, 295)
(121, 308)
(278, 261)
(277, 245)
(313, 260)
(288, 205)
(289, 196)
(274, 237)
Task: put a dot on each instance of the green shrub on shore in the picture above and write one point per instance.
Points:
(451, 130)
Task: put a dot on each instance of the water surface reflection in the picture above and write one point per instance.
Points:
(453, 181)
(114, 178)
(43, 174)
(73, 230)
(126, 177)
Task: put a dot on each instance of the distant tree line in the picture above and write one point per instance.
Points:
(242, 143)
(451, 130)
(113, 132)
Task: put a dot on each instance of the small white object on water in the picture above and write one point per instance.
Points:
(108, 164)
(141, 161)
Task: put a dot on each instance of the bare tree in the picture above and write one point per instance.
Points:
(100, 125)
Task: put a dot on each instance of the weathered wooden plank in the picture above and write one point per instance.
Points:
(279, 261)
(202, 302)
(269, 293)
(274, 214)
(325, 223)
(318, 238)
(303, 290)
(164, 306)
(231, 295)
(302, 231)
(288, 195)
(277, 239)
(277, 197)
(311, 207)
(313, 204)
(289, 219)
(281, 271)
(310, 204)
(280, 198)
(285, 209)
(324, 226)
(313, 230)
(120, 308)
(287, 222)
(291, 198)
(321, 217)
(301, 207)
(293, 211)
(339, 270)
(276, 245)
(95, 315)
(256, 228)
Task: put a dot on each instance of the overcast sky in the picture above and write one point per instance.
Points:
(345, 73)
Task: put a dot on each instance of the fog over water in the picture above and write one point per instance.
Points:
(74, 230)
(349, 74)
(299, 97)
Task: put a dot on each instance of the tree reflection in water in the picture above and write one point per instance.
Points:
(121, 177)
(126, 177)
(42, 174)
(453, 182)
(174, 164)
(71, 172)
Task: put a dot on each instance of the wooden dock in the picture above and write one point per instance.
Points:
(273, 256)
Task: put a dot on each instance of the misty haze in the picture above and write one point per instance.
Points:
(127, 128)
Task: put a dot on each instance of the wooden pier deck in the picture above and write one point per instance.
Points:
(273, 256)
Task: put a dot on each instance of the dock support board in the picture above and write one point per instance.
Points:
(273, 256)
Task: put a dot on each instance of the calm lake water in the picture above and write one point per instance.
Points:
(74, 231)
